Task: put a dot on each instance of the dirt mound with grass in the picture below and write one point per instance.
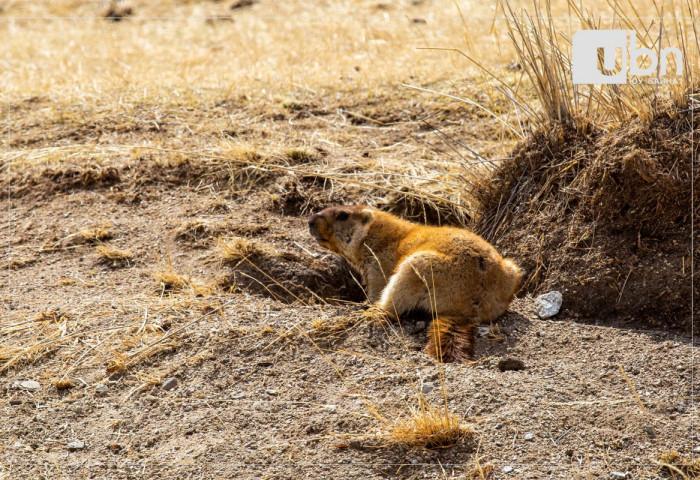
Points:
(604, 217)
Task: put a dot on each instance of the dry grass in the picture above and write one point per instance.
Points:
(238, 249)
(333, 43)
(171, 281)
(543, 44)
(427, 426)
(113, 254)
(677, 466)
(17, 263)
(96, 234)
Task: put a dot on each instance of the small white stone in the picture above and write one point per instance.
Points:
(529, 436)
(30, 385)
(427, 388)
(77, 445)
(548, 304)
(507, 469)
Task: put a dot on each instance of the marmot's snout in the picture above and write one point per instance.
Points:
(313, 226)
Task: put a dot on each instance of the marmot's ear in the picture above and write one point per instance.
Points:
(365, 216)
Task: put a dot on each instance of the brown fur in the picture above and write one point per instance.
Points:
(450, 272)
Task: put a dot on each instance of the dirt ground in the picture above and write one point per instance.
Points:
(174, 362)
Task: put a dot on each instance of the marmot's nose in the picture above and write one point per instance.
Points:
(312, 219)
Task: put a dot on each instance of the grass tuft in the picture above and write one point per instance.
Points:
(239, 248)
(113, 254)
(63, 384)
(678, 466)
(172, 281)
(96, 234)
(428, 427)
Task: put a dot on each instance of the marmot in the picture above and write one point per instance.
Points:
(452, 273)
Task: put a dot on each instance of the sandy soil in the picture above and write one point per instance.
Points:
(262, 389)
(174, 362)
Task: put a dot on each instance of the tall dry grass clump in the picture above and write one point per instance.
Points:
(603, 180)
(543, 45)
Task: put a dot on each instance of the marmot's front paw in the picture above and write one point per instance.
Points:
(377, 314)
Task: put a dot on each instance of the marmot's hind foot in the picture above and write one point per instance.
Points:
(451, 343)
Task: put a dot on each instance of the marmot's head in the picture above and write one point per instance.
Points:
(341, 229)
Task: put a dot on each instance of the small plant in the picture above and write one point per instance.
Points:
(96, 234)
(113, 254)
(679, 467)
(239, 248)
(174, 282)
(63, 383)
(297, 156)
(428, 427)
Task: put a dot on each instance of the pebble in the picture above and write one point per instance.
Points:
(649, 430)
(697, 449)
(271, 392)
(529, 436)
(170, 383)
(427, 387)
(101, 388)
(483, 331)
(29, 385)
(76, 445)
(548, 304)
(507, 469)
(514, 364)
(419, 327)
(618, 474)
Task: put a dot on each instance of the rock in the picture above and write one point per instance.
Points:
(427, 388)
(529, 436)
(681, 407)
(419, 327)
(29, 385)
(270, 391)
(482, 331)
(507, 469)
(618, 474)
(649, 430)
(514, 364)
(548, 304)
(76, 445)
(170, 383)
(101, 388)
(242, 4)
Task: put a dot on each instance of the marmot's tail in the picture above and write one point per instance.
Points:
(451, 340)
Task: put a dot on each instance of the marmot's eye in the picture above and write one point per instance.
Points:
(343, 216)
